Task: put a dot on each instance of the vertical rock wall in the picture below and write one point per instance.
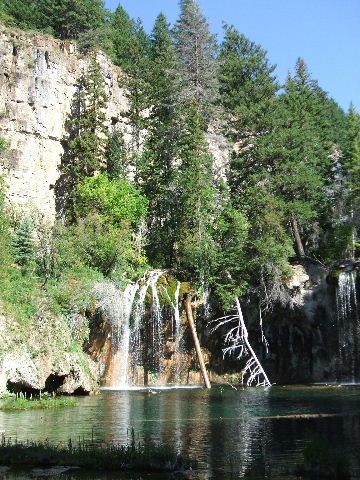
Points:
(38, 79)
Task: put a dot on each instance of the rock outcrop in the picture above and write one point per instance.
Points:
(41, 356)
(38, 79)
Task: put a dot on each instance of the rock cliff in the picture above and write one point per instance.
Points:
(41, 355)
(38, 79)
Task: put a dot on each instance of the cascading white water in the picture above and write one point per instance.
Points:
(123, 340)
(348, 325)
(116, 306)
(138, 356)
(138, 324)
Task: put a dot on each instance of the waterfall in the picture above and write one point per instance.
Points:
(123, 333)
(348, 325)
(145, 330)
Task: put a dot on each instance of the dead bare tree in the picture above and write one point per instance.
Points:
(237, 343)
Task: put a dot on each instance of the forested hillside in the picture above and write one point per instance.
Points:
(290, 191)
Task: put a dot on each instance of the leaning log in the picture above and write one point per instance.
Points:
(190, 317)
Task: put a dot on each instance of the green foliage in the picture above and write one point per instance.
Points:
(23, 403)
(302, 159)
(110, 211)
(247, 86)
(229, 273)
(196, 246)
(66, 19)
(352, 157)
(197, 49)
(92, 456)
(100, 245)
(136, 85)
(72, 292)
(87, 134)
(157, 170)
(116, 156)
(126, 36)
(18, 292)
(116, 200)
(23, 242)
(23, 13)
(4, 145)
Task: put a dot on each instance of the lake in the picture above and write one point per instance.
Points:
(250, 433)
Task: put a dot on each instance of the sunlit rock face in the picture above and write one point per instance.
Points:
(39, 77)
(39, 357)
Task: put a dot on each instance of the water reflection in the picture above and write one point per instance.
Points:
(244, 433)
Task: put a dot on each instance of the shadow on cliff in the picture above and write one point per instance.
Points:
(305, 339)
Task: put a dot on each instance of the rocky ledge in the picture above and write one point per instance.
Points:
(42, 356)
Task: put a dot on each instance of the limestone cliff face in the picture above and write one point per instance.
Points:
(38, 79)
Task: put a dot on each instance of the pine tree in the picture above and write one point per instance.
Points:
(352, 167)
(197, 200)
(131, 49)
(124, 39)
(157, 168)
(197, 49)
(23, 13)
(303, 157)
(70, 18)
(117, 164)
(136, 84)
(86, 140)
(23, 242)
(85, 146)
(248, 87)
(352, 155)
(248, 90)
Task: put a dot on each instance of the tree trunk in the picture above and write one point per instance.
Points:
(255, 368)
(299, 245)
(190, 317)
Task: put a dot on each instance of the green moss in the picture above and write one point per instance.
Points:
(167, 286)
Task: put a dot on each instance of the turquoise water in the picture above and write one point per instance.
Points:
(250, 433)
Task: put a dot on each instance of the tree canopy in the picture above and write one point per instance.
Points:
(288, 191)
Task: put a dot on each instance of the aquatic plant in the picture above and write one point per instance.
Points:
(91, 455)
(21, 402)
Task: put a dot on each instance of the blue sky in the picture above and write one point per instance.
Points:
(325, 33)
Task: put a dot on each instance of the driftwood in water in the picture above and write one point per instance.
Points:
(190, 317)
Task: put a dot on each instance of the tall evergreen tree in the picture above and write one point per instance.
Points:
(197, 49)
(117, 163)
(131, 50)
(69, 18)
(23, 13)
(23, 242)
(248, 90)
(352, 167)
(157, 169)
(124, 38)
(247, 87)
(352, 155)
(303, 156)
(85, 143)
(197, 200)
